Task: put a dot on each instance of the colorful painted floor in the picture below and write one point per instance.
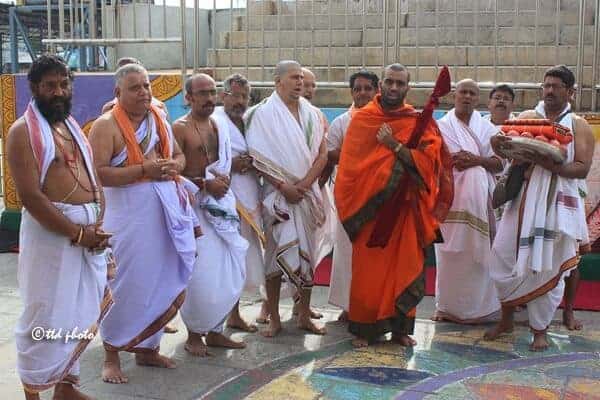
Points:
(450, 362)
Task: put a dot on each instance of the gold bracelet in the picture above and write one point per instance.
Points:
(398, 147)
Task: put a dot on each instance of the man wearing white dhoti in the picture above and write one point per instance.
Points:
(62, 262)
(539, 237)
(363, 87)
(286, 140)
(220, 271)
(245, 187)
(464, 291)
(149, 213)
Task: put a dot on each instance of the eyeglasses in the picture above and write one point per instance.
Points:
(505, 99)
(554, 86)
(205, 93)
(238, 96)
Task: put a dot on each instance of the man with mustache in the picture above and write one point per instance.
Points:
(138, 162)
(245, 187)
(547, 220)
(62, 262)
(501, 104)
(386, 196)
(364, 85)
(220, 271)
(465, 292)
(285, 136)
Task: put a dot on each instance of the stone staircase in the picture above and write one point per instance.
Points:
(486, 40)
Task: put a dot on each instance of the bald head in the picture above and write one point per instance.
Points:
(466, 97)
(309, 84)
(201, 95)
(200, 78)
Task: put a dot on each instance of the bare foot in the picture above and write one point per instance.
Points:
(313, 314)
(343, 316)
(65, 391)
(570, 322)
(357, 343)
(540, 342)
(31, 396)
(498, 330)
(154, 359)
(237, 322)
(404, 340)
(307, 325)
(170, 329)
(195, 345)
(215, 339)
(273, 329)
(111, 372)
(263, 316)
(437, 317)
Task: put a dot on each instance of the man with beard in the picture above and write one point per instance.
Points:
(62, 262)
(363, 87)
(464, 291)
(285, 136)
(152, 220)
(390, 219)
(501, 104)
(245, 187)
(547, 219)
(220, 271)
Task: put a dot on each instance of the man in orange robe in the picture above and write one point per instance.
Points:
(393, 187)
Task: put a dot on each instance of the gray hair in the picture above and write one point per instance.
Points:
(395, 67)
(191, 79)
(467, 81)
(127, 69)
(238, 79)
(284, 66)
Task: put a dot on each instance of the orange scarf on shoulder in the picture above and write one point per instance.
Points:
(134, 152)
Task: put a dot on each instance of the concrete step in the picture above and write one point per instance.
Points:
(482, 56)
(528, 74)
(316, 14)
(448, 19)
(340, 96)
(483, 35)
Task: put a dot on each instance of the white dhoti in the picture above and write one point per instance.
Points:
(285, 150)
(524, 275)
(220, 272)
(245, 187)
(465, 293)
(341, 269)
(218, 278)
(538, 240)
(62, 287)
(154, 248)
